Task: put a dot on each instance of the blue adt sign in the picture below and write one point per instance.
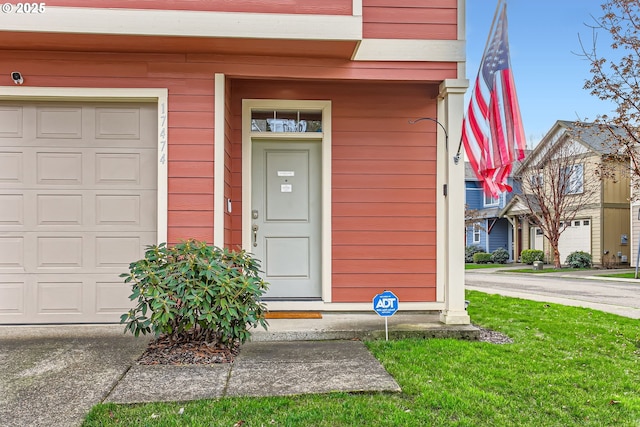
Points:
(385, 304)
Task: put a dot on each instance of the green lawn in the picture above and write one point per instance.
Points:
(547, 269)
(471, 266)
(631, 275)
(567, 367)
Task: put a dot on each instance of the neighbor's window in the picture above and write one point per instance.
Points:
(575, 176)
(536, 180)
(489, 200)
(476, 233)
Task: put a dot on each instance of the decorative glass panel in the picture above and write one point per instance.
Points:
(286, 121)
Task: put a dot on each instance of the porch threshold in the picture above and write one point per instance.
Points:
(351, 325)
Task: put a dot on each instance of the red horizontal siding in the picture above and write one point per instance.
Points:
(369, 138)
(416, 252)
(410, 19)
(383, 183)
(178, 234)
(374, 266)
(192, 185)
(383, 166)
(190, 135)
(375, 281)
(323, 7)
(187, 202)
(199, 219)
(190, 169)
(375, 237)
(397, 223)
(193, 153)
(360, 210)
(394, 195)
(376, 152)
(414, 293)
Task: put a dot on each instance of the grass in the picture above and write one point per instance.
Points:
(546, 270)
(567, 366)
(631, 275)
(471, 266)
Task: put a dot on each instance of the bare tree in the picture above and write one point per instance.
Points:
(472, 217)
(616, 80)
(556, 186)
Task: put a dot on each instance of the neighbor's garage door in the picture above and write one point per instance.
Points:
(77, 204)
(576, 237)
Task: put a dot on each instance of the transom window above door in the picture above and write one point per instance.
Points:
(286, 121)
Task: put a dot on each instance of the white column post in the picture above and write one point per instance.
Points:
(452, 199)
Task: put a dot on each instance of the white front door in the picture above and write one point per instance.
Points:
(286, 214)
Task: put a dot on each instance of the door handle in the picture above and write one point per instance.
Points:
(255, 234)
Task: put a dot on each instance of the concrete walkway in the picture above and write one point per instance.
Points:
(261, 369)
(53, 375)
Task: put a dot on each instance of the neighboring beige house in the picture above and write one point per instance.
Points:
(601, 226)
(634, 237)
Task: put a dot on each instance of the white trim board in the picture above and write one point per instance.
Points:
(187, 23)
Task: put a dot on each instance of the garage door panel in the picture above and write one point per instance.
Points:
(60, 296)
(69, 168)
(117, 123)
(59, 209)
(59, 122)
(118, 168)
(78, 204)
(12, 297)
(59, 252)
(60, 168)
(48, 210)
(11, 168)
(12, 210)
(112, 298)
(12, 253)
(11, 119)
(117, 251)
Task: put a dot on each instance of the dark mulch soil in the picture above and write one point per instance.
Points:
(162, 351)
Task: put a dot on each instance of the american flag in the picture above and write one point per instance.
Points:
(492, 130)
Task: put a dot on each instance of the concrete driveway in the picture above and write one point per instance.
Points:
(578, 289)
(53, 375)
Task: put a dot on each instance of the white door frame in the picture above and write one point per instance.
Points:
(325, 136)
(160, 96)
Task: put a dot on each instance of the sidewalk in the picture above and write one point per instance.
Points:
(592, 274)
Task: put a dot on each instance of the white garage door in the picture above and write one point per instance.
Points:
(576, 237)
(77, 205)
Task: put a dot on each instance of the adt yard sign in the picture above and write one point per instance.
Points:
(385, 304)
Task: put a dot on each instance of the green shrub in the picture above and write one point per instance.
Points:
(469, 251)
(481, 258)
(193, 291)
(500, 256)
(579, 259)
(528, 256)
